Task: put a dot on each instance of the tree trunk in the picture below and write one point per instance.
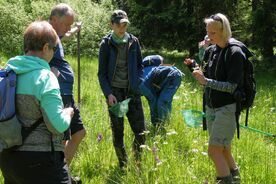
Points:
(268, 32)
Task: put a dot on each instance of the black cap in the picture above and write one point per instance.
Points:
(119, 16)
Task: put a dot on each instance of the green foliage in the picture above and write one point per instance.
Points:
(95, 18)
(264, 24)
(16, 15)
(178, 25)
(13, 21)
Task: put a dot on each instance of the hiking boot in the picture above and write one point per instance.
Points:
(236, 176)
(225, 180)
(76, 180)
(122, 156)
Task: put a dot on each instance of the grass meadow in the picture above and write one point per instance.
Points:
(178, 155)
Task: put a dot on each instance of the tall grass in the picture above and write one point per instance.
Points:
(179, 154)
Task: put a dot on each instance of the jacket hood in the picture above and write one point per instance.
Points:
(25, 64)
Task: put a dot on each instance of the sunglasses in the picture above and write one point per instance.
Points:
(216, 18)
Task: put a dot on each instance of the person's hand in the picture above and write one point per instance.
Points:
(69, 111)
(188, 61)
(55, 71)
(78, 26)
(201, 44)
(191, 63)
(73, 30)
(198, 75)
(111, 100)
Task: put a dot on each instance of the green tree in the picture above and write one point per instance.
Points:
(264, 26)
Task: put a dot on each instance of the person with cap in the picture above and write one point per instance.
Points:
(160, 83)
(61, 18)
(120, 72)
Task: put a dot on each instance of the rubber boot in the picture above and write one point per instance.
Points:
(122, 156)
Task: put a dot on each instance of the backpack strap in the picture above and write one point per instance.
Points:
(238, 103)
(26, 131)
(204, 123)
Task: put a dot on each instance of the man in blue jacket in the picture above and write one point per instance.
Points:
(120, 73)
(61, 18)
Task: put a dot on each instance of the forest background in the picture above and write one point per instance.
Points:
(174, 25)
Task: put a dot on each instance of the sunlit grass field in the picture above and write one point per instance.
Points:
(178, 155)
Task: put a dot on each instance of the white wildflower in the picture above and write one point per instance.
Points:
(145, 147)
(171, 133)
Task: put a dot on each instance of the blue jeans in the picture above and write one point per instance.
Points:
(160, 102)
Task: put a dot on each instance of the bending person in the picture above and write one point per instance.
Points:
(159, 86)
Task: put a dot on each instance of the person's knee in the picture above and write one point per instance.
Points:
(214, 151)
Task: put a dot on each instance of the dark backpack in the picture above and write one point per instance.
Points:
(11, 132)
(244, 94)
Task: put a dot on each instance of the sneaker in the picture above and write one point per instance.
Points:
(76, 180)
(236, 180)
(236, 176)
(225, 180)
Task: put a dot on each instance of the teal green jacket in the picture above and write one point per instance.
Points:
(38, 95)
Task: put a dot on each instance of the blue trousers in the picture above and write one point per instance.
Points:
(160, 102)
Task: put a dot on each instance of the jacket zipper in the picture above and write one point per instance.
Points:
(115, 62)
(129, 45)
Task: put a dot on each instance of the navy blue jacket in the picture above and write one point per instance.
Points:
(107, 64)
(66, 77)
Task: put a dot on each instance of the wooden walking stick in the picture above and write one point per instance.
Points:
(78, 53)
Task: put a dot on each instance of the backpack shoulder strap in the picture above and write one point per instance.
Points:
(26, 131)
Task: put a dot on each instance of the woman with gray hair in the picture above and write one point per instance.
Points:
(221, 77)
(40, 159)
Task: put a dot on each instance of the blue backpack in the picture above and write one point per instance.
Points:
(10, 127)
(12, 134)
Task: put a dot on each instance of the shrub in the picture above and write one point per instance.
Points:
(13, 20)
(15, 15)
(95, 18)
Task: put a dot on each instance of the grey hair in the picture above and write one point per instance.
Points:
(225, 25)
(62, 10)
